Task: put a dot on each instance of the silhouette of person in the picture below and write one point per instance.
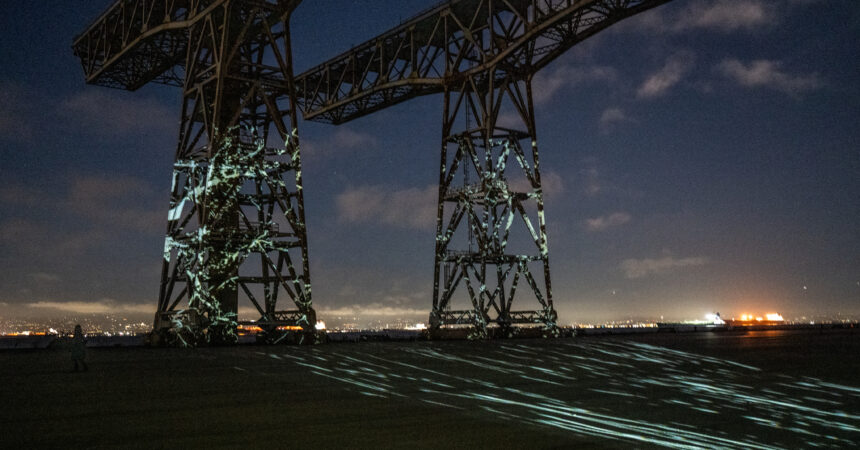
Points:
(79, 349)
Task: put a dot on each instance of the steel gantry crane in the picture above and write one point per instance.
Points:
(482, 56)
(236, 225)
(236, 217)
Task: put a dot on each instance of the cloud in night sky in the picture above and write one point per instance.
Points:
(25, 239)
(398, 298)
(108, 113)
(44, 277)
(641, 268)
(592, 182)
(551, 80)
(412, 208)
(13, 108)
(19, 195)
(99, 204)
(720, 15)
(669, 75)
(339, 143)
(611, 117)
(105, 306)
(604, 223)
(595, 180)
(347, 138)
(552, 184)
(104, 200)
(725, 15)
(374, 310)
(767, 73)
(509, 120)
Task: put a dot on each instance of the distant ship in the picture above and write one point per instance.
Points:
(715, 322)
(711, 322)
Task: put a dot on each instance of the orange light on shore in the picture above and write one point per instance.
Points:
(769, 317)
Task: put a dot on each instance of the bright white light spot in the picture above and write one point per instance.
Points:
(320, 325)
(715, 318)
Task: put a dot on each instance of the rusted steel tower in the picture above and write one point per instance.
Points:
(481, 55)
(236, 224)
(235, 227)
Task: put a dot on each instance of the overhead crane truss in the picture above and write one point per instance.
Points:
(481, 55)
(450, 42)
(232, 59)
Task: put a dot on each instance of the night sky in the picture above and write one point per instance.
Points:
(703, 156)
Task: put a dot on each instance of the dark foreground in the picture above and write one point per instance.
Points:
(778, 389)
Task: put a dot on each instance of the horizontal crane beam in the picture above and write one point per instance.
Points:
(136, 42)
(479, 39)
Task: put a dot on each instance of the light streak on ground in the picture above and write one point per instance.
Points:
(624, 391)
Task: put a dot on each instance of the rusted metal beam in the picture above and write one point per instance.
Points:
(135, 42)
(453, 41)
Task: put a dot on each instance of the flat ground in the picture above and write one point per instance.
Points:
(755, 390)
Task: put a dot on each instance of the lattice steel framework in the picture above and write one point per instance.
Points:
(236, 226)
(482, 55)
(456, 39)
(234, 200)
(489, 190)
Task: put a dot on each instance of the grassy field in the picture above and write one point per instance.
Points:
(755, 390)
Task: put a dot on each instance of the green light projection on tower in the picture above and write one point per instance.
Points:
(211, 254)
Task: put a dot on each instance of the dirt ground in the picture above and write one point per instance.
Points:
(753, 390)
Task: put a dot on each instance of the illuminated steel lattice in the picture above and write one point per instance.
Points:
(240, 194)
(232, 59)
(236, 228)
(484, 210)
(482, 56)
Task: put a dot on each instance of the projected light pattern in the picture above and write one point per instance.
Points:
(236, 229)
(625, 391)
(491, 214)
(210, 255)
(486, 240)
